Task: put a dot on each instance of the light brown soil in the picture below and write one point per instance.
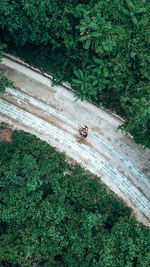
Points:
(6, 135)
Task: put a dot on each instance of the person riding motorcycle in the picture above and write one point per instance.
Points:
(83, 131)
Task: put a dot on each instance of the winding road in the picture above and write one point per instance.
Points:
(52, 114)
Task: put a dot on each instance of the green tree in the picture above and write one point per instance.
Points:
(100, 47)
(138, 119)
(59, 215)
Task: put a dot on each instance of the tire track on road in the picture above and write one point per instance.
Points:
(102, 141)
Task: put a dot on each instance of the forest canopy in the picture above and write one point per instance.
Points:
(55, 214)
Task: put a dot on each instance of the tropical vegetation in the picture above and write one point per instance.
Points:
(101, 47)
(55, 214)
(4, 82)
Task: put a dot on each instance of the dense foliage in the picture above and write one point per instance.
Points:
(4, 82)
(101, 46)
(53, 214)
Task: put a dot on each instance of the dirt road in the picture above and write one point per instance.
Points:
(52, 114)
